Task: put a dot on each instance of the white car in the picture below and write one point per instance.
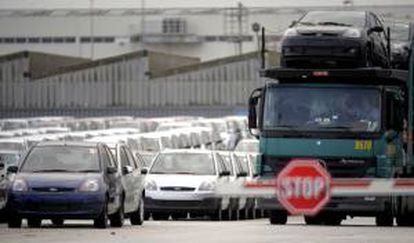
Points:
(183, 181)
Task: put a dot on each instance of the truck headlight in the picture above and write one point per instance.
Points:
(91, 185)
(20, 185)
(150, 186)
(352, 33)
(207, 186)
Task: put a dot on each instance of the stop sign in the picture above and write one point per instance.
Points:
(303, 186)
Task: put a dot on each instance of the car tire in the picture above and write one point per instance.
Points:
(101, 221)
(217, 215)
(160, 216)
(384, 219)
(138, 217)
(57, 222)
(117, 219)
(146, 215)
(405, 220)
(176, 216)
(278, 217)
(34, 223)
(14, 222)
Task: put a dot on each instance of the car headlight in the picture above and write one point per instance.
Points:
(290, 32)
(352, 33)
(207, 186)
(91, 185)
(20, 185)
(150, 186)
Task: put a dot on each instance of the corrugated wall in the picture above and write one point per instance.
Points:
(124, 84)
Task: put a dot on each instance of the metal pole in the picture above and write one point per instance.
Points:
(240, 28)
(143, 23)
(92, 29)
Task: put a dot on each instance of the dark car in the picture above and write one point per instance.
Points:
(339, 39)
(62, 180)
(401, 39)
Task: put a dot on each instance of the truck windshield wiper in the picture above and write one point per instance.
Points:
(336, 127)
(334, 24)
(52, 170)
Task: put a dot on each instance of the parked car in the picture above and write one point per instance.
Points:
(401, 39)
(183, 181)
(66, 180)
(133, 182)
(339, 39)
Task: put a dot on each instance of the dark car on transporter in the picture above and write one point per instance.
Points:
(401, 40)
(67, 180)
(336, 39)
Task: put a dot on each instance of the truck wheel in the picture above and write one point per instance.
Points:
(332, 220)
(384, 219)
(314, 220)
(160, 216)
(34, 223)
(278, 217)
(405, 220)
(137, 217)
(14, 222)
(217, 215)
(176, 216)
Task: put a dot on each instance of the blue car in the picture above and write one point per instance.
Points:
(62, 180)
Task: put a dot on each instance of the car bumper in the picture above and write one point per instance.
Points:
(63, 205)
(181, 201)
(353, 206)
(322, 49)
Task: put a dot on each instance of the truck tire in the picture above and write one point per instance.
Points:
(57, 222)
(14, 222)
(278, 217)
(384, 219)
(160, 216)
(314, 220)
(217, 215)
(34, 223)
(405, 220)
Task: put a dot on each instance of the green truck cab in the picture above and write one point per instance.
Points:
(353, 121)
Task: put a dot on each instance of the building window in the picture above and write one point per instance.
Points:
(20, 40)
(46, 40)
(211, 38)
(98, 39)
(85, 39)
(174, 26)
(70, 39)
(9, 40)
(58, 40)
(34, 40)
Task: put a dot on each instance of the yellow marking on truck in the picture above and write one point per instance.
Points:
(363, 145)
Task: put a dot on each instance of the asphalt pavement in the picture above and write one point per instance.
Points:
(200, 231)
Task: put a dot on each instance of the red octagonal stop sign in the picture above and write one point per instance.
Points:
(303, 186)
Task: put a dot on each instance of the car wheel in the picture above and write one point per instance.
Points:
(405, 220)
(57, 222)
(147, 216)
(278, 217)
(117, 219)
(137, 217)
(102, 220)
(217, 215)
(384, 219)
(176, 216)
(160, 216)
(34, 223)
(14, 222)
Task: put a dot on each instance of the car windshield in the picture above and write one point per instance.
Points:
(62, 159)
(335, 18)
(400, 32)
(183, 163)
(148, 158)
(306, 108)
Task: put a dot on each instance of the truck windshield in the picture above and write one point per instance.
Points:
(322, 108)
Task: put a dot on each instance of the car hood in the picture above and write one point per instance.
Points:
(322, 29)
(57, 180)
(180, 180)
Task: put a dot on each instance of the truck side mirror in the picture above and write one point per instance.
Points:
(253, 113)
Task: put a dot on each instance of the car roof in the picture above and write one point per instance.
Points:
(67, 143)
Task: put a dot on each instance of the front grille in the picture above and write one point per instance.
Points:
(177, 204)
(177, 188)
(51, 207)
(52, 189)
(337, 167)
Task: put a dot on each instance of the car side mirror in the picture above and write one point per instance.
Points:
(224, 173)
(127, 170)
(242, 174)
(376, 29)
(111, 170)
(12, 169)
(144, 171)
(294, 22)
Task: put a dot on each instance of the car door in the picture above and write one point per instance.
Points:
(138, 179)
(127, 179)
(140, 164)
(112, 179)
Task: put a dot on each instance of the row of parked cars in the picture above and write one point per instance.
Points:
(345, 39)
(107, 183)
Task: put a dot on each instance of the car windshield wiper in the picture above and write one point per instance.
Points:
(334, 24)
(306, 23)
(52, 170)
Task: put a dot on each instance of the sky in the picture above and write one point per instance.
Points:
(46, 4)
